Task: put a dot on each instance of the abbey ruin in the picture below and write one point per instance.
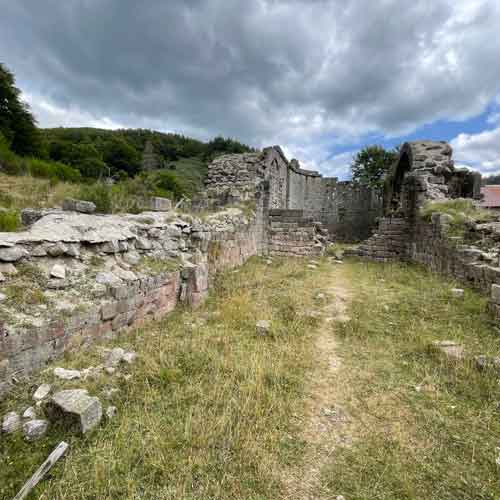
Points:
(96, 275)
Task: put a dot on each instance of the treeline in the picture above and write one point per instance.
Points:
(75, 154)
(97, 153)
(491, 179)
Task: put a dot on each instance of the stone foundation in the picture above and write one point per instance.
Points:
(118, 273)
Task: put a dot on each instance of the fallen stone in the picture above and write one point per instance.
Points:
(312, 266)
(129, 357)
(2, 278)
(110, 370)
(114, 357)
(75, 410)
(487, 362)
(58, 271)
(452, 350)
(84, 207)
(8, 269)
(263, 327)
(30, 215)
(42, 392)
(29, 413)
(11, 423)
(132, 258)
(35, 429)
(160, 204)
(64, 374)
(13, 254)
(458, 293)
(111, 412)
(3, 297)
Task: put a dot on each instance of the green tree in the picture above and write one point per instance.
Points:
(17, 124)
(120, 155)
(371, 164)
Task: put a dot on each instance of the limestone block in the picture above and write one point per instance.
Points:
(35, 429)
(42, 392)
(160, 204)
(11, 422)
(84, 207)
(75, 409)
(13, 254)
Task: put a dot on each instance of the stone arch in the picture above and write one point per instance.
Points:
(393, 189)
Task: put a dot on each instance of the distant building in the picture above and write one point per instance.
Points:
(491, 196)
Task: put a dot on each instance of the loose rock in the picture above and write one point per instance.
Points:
(114, 357)
(29, 413)
(452, 350)
(35, 429)
(58, 271)
(129, 357)
(263, 327)
(11, 422)
(64, 374)
(42, 392)
(75, 409)
(458, 293)
(84, 207)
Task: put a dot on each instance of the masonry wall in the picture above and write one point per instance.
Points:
(349, 212)
(429, 244)
(292, 233)
(221, 243)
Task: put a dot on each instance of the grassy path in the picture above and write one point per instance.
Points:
(343, 397)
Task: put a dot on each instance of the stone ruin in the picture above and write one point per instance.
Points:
(96, 275)
(347, 211)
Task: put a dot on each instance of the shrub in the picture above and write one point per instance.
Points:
(9, 221)
(460, 211)
(98, 193)
(53, 170)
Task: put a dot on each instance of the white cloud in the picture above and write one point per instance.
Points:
(478, 151)
(309, 74)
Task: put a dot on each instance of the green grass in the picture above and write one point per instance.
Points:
(9, 220)
(460, 211)
(209, 410)
(191, 173)
(422, 427)
(213, 410)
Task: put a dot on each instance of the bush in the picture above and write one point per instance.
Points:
(98, 193)
(53, 170)
(9, 221)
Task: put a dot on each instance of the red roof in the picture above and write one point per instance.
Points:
(491, 196)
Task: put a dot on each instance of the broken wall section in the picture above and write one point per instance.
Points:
(73, 279)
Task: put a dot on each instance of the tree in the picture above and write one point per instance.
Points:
(371, 164)
(120, 155)
(17, 124)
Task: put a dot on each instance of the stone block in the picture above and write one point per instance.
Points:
(160, 204)
(75, 410)
(84, 207)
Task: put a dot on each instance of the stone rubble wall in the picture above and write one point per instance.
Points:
(429, 243)
(291, 233)
(116, 272)
(389, 242)
(349, 212)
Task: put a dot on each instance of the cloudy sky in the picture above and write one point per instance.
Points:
(320, 77)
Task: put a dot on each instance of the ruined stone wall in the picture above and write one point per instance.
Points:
(98, 275)
(349, 212)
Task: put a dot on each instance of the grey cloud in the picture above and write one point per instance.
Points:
(263, 71)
